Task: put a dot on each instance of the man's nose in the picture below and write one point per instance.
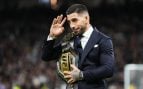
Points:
(72, 26)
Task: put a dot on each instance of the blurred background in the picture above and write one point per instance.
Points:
(24, 24)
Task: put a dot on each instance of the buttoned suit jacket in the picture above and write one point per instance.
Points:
(97, 59)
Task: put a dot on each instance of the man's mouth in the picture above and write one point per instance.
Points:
(76, 31)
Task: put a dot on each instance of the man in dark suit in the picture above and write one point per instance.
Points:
(96, 61)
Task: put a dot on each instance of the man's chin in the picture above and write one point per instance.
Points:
(76, 34)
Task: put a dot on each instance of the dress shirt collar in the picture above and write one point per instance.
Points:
(88, 33)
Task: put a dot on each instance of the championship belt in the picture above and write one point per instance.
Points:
(67, 58)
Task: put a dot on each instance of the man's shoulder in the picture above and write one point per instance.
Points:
(101, 34)
(104, 36)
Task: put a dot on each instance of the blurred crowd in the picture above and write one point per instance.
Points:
(21, 40)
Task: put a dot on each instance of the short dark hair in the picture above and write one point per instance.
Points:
(76, 8)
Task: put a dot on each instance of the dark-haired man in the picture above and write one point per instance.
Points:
(96, 61)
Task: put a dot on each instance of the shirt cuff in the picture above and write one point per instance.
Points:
(50, 38)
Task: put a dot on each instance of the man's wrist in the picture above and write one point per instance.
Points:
(81, 75)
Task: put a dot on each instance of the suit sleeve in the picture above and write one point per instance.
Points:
(106, 67)
(50, 52)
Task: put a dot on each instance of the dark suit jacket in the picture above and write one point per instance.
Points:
(97, 60)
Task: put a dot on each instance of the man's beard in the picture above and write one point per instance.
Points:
(82, 30)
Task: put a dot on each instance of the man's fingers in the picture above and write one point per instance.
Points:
(73, 66)
(67, 73)
(54, 21)
(71, 81)
(67, 76)
(60, 19)
(64, 20)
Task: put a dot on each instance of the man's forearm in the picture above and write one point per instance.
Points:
(98, 73)
(49, 52)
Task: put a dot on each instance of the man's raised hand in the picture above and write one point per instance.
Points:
(57, 26)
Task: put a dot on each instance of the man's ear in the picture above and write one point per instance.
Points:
(86, 18)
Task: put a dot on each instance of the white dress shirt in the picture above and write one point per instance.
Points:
(86, 36)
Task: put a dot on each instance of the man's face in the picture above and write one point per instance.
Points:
(77, 22)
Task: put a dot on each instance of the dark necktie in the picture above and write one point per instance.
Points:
(77, 46)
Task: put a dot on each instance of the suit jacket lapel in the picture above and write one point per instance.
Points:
(91, 42)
